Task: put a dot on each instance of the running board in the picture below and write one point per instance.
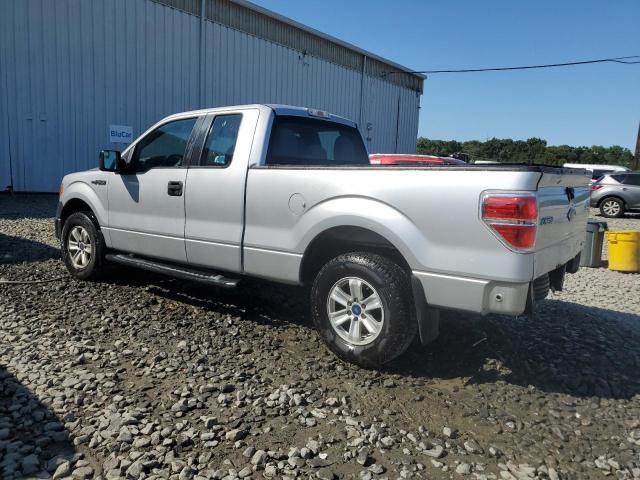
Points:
(184, 273)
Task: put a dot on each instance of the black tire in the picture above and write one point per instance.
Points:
(392, 285)
(609, 205)
(95, 265)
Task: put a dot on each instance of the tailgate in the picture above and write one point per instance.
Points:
(563, 206)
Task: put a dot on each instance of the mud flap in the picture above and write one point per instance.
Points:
(573, 265)
(530, 308)
(556, 278)
(428, 317)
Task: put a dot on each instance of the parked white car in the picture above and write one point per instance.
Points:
(597, 170)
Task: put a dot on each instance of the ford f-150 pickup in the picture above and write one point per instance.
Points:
(288, 194)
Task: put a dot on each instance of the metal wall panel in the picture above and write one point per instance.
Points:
(5, 170)
(409, 116)
(241, 68)
(78, 66)
(70, 68)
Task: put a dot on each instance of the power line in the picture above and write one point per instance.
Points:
(625, 60)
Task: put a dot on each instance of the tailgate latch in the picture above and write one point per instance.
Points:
(571, 194)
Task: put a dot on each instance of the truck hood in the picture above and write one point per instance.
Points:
(78, 176)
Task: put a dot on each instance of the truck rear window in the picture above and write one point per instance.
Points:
(311, 142)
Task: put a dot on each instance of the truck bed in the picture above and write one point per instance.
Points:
(429, 213)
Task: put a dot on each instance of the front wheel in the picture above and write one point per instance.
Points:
(612, 207)
(82, 246)
(362, 306)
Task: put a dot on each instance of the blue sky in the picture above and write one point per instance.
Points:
(586, 105)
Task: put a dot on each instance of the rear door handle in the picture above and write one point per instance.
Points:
(174, 189)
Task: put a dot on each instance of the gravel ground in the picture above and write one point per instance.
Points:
(142, 376)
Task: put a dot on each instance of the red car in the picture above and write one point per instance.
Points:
(410, 159)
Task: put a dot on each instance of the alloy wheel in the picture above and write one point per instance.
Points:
(79, 247)
(355, 311)
(611, 207)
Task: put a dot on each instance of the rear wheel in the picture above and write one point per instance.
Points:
(363, 309)
(612, 207)
(82, 246)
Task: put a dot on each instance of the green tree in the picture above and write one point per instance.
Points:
(534, 150)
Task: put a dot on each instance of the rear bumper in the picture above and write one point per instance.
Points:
(474, 295)
(488, 296)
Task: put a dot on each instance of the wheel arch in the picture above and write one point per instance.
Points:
(613, 195)
(355, 223)
(72, 206)
(77, 197)
(341, 239)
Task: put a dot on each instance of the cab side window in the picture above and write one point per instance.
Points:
(221, 141)
(164, 147)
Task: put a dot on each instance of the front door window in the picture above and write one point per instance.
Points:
(164, 147)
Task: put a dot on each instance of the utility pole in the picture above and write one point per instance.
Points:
(636, 158)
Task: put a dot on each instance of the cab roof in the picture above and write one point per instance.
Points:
(278, 109)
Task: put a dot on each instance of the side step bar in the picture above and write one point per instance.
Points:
(185, 273)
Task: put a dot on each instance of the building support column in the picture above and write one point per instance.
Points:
(398, 124)
(636, 157)
(201, 70)
(362, 86)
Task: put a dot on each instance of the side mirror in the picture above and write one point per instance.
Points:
(109, 160)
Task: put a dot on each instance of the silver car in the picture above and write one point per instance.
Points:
(617, 193)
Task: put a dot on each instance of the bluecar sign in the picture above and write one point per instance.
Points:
(120, 134)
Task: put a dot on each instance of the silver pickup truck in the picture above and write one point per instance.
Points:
(288, 194)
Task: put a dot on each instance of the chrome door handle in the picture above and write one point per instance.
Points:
(174, 188)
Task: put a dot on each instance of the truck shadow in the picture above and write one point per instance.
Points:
(33, 441)
(19, 250)
(565, 348)
(256, 300)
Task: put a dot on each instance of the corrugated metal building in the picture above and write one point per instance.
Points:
(71, 68)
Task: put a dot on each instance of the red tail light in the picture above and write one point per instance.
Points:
(512, 217)
(596, 187)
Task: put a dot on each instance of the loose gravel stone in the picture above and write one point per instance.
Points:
(259, 457)
(83, 472)
(472, 446)
(436, 451)
(63, 470)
